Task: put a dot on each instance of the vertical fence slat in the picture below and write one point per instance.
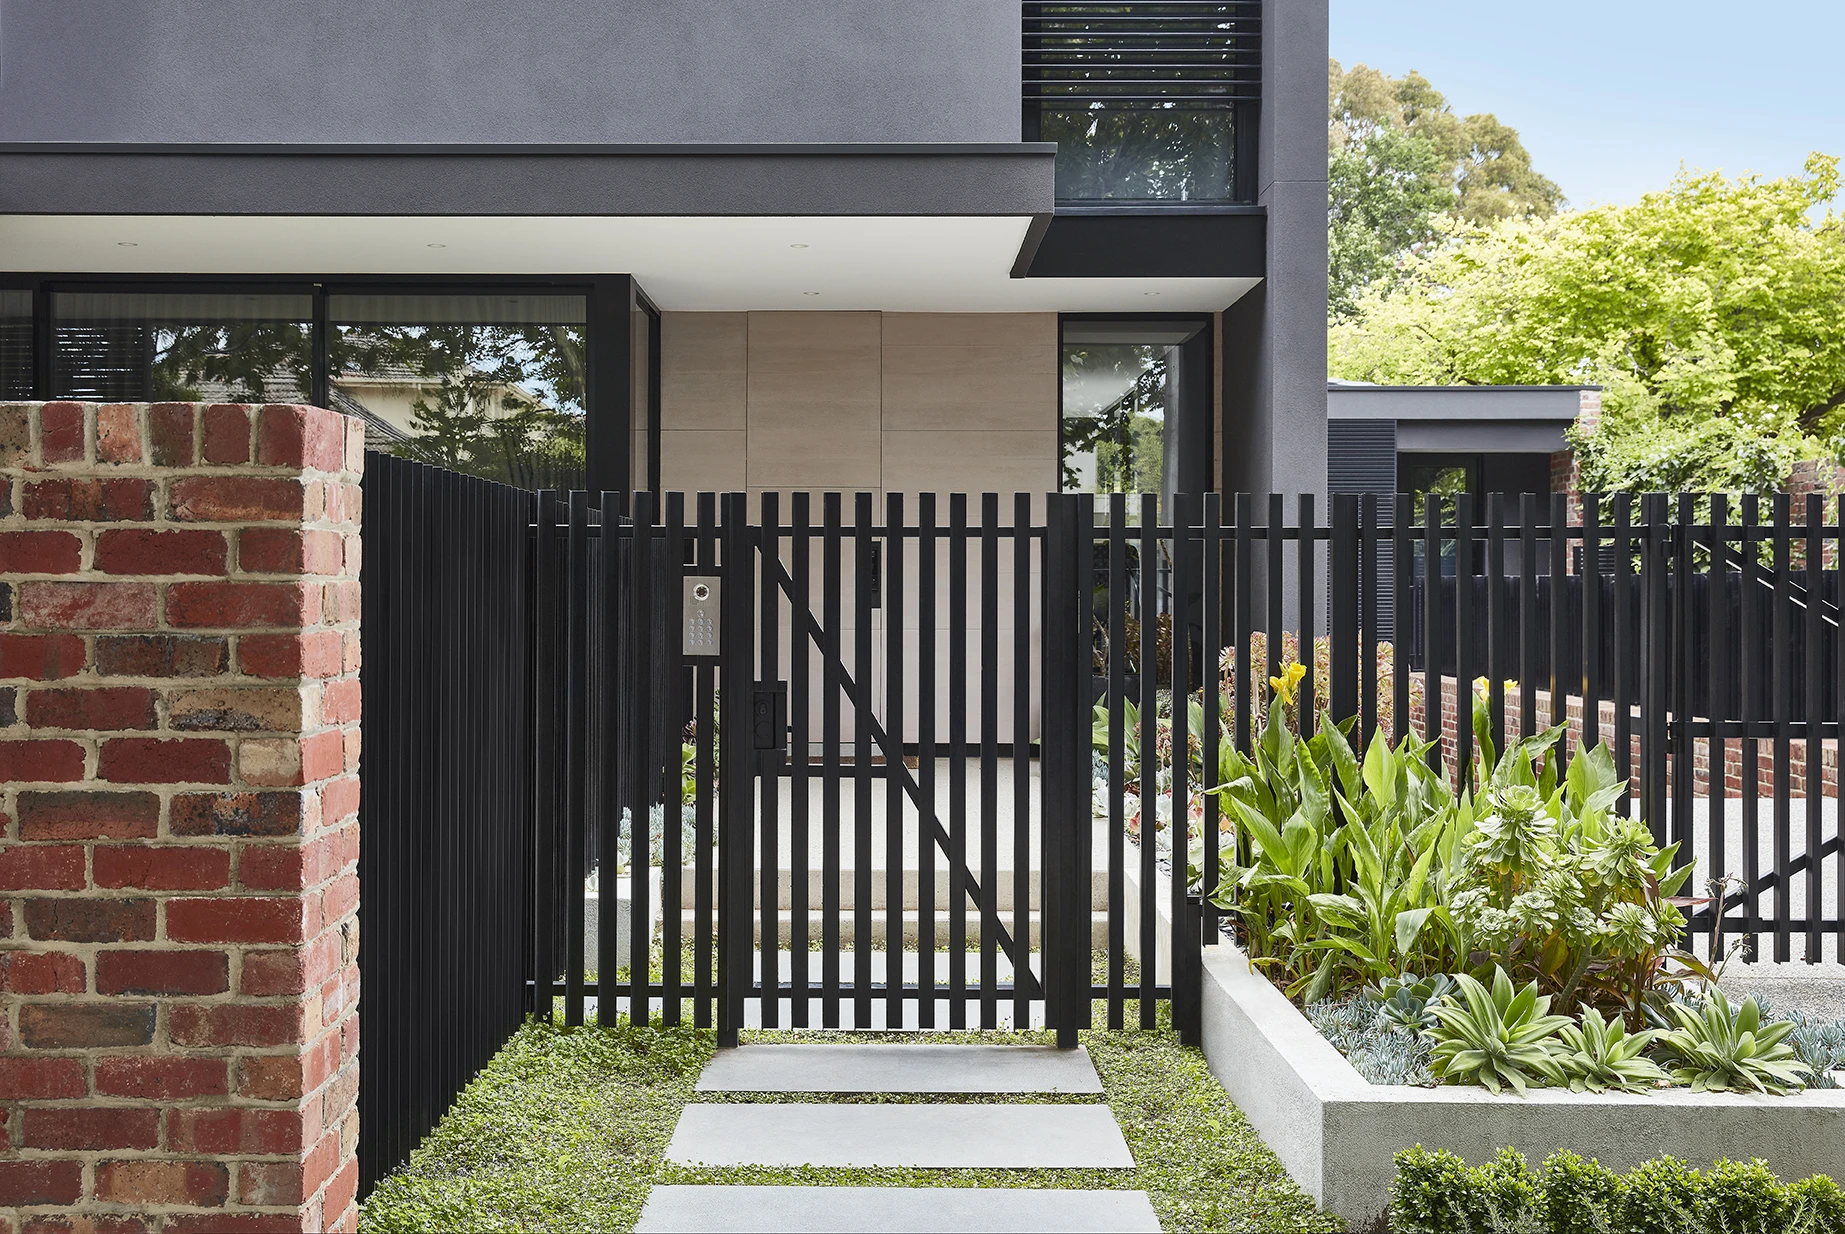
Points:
(1530, 643)
(1812, 618)
(1557, 680)
(1022, 644)
(672, 854)
(1185, 957)
(1370, 582)
(1432, 722)
(1402, 571)
(1501, 641)
(704, 822)
(770, 771)
(1685, 681)
(1244, 619)
(926, 548)
(1782, 640)
(576, 732)
(614, 704)
(1655, 662)
(647, 626)
(737, 797)
(1590, 572)
(1838, 715)
(1750, 695)
(1722, 699)
(1624, 656)
(989, 759)
(1149, 758)
(1308, 582)
(830, 652)
(894, 702)
(1343, 618)
(1213, 642)
(861, 761)
(957, 760)
(800, 758)
(1465, 533)
(1118, 653)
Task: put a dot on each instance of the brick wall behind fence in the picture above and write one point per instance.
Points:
(1733, 760)
(179, 745)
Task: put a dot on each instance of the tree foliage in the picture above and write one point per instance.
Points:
(1402, 167)
(1709, 312)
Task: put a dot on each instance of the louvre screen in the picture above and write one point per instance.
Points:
(15, 345)
(1178, 53)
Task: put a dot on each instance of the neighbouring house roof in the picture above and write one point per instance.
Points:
(1463, 418)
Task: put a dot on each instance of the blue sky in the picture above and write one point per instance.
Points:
(1611, 96)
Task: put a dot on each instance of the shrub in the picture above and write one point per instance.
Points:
(1438, 1193)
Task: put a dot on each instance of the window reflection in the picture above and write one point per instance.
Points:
(1149, 152)
(231, 347)
(15, 345)
(490, 384)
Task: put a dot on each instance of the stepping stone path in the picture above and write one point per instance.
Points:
(923, 1136)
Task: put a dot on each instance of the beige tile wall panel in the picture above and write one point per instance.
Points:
(1033, 331)
(704, 370)
(814, 401)
(701, 460)
(970, 370)
(972, 461)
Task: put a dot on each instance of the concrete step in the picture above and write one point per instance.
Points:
(850, 1067)
(922, 1136)
(880, 882)
(912, 927)
(895, 1210)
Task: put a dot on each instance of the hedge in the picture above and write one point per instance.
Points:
(1438, 1193)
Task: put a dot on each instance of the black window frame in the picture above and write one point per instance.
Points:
(607, 393)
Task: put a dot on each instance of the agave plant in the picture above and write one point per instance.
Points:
(1497, 1038)
(1406, 1000)
(1597, 1055)
(1724, 1046)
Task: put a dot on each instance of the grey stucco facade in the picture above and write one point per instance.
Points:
(489, 71)
(1274, 373)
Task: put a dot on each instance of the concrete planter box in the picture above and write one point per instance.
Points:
(624, 920)
(1337, 1134)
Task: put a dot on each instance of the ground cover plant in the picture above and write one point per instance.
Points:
(566, 1130)
(1437, 1193)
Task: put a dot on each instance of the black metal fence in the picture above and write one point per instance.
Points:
(447, 801)
(765, 680)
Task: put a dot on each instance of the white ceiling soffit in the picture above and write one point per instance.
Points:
(900, 263)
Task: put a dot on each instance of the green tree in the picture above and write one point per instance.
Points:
(1709, 312)
(1402, 168)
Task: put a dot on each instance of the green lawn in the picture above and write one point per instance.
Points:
(566, 1128)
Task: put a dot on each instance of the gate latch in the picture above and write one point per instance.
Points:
(769, 720)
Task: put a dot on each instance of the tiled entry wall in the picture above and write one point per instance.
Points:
(870, 402)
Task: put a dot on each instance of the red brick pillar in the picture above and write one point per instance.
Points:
(179, 745)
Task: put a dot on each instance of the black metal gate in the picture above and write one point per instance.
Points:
(854, 743)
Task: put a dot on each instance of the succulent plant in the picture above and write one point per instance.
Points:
(1497, 1038)
(1597, 1055)
(1820, 1044)
(1379, 1050)
(1724, 1046)
(1405, 1000)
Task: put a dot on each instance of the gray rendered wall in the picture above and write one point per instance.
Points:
(1274, 428)
(617, 71)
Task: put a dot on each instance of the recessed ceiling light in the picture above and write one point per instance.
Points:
(797, 246)
(1149, 293)
(126, 244)
(810, 293)
(436, 246)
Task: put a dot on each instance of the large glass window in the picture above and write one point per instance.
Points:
(1136, 406)
(492, 384)
(1145, 152)
(15, 345)
(213, 347)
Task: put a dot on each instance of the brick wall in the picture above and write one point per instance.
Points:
(1733, 760)
(179, 744)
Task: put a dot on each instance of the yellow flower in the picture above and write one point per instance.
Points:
(1288, 683)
